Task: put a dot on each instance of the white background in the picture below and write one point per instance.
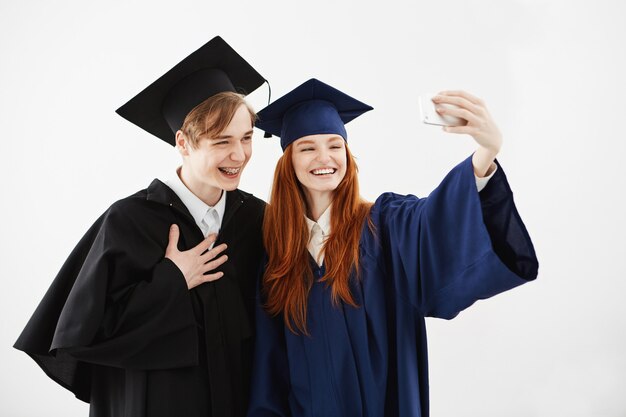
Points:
(550, 71)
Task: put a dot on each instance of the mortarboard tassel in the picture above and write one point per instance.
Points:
(269, 99)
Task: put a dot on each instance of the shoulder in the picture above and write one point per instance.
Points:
(249, 200)
(385, 198)
(397, 210)
(128, 206)
(390, 200)
(134, 212)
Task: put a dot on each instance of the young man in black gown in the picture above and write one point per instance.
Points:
(151, 315)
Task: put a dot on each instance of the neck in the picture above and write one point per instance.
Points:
(317, 203)
(208, 194)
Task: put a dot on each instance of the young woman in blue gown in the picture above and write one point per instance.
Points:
(347, 283)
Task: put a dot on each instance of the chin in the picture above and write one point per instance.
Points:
(229, 186)
(328, 187)
(323, 189)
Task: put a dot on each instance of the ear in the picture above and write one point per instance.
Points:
(182, 144)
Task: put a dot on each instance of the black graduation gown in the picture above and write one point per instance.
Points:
(119, 328)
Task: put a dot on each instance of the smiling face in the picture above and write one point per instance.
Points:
(216, 163)
(319, 162)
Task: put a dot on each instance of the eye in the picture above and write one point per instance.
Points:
(246, 139)
(306, 149)
(221, 142)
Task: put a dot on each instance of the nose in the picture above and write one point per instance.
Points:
(323, 156)
(238, 154)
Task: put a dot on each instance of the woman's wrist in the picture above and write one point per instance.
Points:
(483, 159)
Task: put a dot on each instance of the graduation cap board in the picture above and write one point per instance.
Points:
(309, 109)
(161, 107)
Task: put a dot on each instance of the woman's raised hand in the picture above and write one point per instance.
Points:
(480, 125)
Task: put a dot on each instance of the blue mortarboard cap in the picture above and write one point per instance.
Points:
(309, 109)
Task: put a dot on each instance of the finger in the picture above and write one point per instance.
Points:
(192, 283)
(457, 112)
(172, 244)
(205, 245)
(463, 94)
(212, 237)
(212, 277)
(214, 264)
(205, 278)
(467, 130)
(459, 102)
(213, 252)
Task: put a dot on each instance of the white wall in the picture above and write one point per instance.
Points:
(550, 72)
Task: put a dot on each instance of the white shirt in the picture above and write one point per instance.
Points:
(481, 182)
(208, 219)
(319, 231)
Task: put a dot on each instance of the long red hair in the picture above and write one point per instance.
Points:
(288, 277)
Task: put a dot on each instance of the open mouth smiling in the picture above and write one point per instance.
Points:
(323, 171)
(230, 171)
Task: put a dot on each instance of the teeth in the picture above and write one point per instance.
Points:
(230, 171)
(323, 171)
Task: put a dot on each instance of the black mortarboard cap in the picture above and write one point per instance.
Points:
(309, 109)
(161, 107)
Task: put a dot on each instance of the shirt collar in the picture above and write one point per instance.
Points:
(323, 222)
(197, 208)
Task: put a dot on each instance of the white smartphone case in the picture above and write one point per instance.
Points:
(430, 116)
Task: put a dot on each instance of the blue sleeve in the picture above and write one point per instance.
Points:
(270, 376)
(456, 246)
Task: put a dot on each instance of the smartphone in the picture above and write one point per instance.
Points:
(430, 116)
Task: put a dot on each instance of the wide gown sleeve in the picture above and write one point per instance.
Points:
(129, 307)
(456, 246)
(116, 302)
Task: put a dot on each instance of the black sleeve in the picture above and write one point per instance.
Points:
(117, 302)
(150, 325)
(129, 307)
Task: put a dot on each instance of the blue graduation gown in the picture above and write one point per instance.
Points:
(433, 257)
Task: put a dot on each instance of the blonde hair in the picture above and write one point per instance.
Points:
(213, 115)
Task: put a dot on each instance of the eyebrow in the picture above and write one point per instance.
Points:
(311, 142)
(249, 132)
